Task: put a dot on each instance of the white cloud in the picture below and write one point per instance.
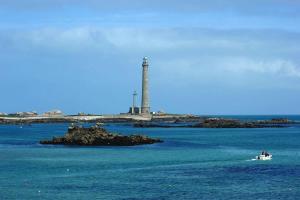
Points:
(275, 67)
(190, 54)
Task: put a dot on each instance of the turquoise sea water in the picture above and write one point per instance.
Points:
(190, 164)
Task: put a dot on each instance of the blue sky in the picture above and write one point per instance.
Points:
(206, 57)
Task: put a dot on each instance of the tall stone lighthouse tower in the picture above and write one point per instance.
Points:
(145, 90)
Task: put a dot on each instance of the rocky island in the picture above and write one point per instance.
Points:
(98, 136)
(234, 123)
(219, 123)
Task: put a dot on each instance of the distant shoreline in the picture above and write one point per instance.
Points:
(118, 118)
(156, 121)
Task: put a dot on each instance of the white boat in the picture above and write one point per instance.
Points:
(264, 156)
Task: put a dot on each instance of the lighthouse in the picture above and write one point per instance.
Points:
(145, 108)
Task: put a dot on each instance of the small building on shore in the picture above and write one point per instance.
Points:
(53, 113)
(25, 114)
(160, 113)
(3, 114)
(135, 110)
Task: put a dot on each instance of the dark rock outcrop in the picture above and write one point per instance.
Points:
(220, 123)
(177, 119)
(97, 136)
(227, 123)
(157, 125)
(276, 121)
(233, 123)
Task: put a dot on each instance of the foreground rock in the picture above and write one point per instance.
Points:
(97, 136)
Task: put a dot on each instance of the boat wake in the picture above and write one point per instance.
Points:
(253, 159)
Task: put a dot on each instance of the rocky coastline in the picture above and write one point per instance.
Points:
(233, 123)
(220, 123)
(122, 118)
(166, 121)
(52, 120)
(98, 136)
